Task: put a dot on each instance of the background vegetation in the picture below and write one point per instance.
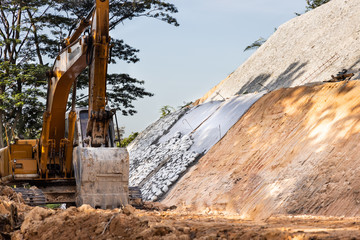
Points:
(32, 34)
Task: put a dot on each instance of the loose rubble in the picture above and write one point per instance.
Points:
(12, 211)
(283, 171)
(170, 160)
(156, 165)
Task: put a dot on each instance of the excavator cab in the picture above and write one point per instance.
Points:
(80, 129)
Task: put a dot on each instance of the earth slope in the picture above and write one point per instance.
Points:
(308, 48)
(296, 151)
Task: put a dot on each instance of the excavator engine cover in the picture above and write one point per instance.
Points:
(102, 176)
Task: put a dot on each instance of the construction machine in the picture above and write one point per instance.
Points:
(76, 151)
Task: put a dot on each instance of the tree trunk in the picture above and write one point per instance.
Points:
(1, 130)
(36, 38)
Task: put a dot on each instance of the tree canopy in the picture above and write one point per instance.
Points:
(31, 35)
(312, 4)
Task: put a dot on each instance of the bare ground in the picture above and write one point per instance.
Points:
(295, 152)
(129, 223)
(282, 172)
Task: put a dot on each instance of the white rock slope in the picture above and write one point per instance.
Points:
(308, 48)
(156, 163)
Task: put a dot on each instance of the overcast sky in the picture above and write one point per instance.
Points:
(180, 64)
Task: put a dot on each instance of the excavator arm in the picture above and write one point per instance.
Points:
(98, 123)
(68, 65)
(91, 50)
(101, 172)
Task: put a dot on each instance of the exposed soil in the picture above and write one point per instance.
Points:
(88, 223)
(12, 211)
(129, 223)
(296, 151)
(282, 172)
(308, 48)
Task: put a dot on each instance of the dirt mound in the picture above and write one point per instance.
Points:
(294, 152)
(12, 211)
(10, 194)
(129, 223)
(80, 223)
(155, 166)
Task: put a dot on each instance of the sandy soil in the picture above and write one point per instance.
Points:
(129, 223)
(88, 223)
(282, 172)
(294, 152)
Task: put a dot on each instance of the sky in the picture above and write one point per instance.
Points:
(180, 64)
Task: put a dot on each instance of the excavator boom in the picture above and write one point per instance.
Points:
(98, 117)
(76, 146)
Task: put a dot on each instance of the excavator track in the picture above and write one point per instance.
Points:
(135, 197)
(40, 192)
(61, 192)
(32, 196)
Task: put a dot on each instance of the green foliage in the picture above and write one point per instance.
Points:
(129, 139)
(64, 14)
(53, 205)
(166, 110)
(22, 72)
(256, 44)
(34, 29)
(22, 88)
(122, 89)
(312, 4)
(121, 92)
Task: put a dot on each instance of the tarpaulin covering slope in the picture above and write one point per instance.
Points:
(156, 165)
(296, 151)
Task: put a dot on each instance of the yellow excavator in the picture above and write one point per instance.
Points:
(76, 153)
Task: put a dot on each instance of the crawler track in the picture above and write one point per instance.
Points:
(51, 191)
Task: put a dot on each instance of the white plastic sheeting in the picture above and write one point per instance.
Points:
(217, 125)
(163, 153)
(192, 119)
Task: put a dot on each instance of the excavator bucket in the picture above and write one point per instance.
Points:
(102, 176)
